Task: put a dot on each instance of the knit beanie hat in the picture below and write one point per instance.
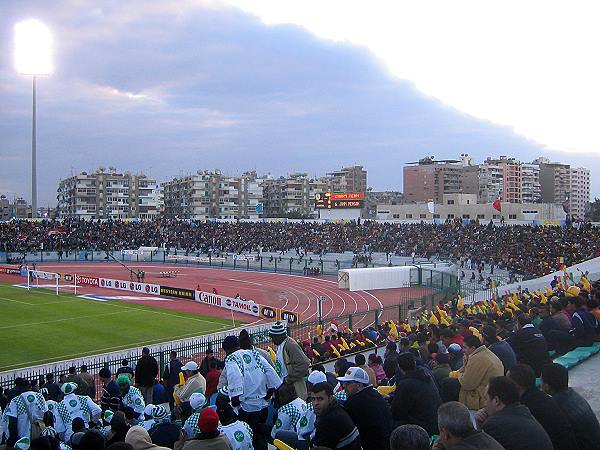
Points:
(160, 414)
(68, 388)
(231, 342)
(208, 420)
(277, 329)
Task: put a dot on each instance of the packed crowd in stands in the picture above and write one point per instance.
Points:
(458, 376)
(526, 250)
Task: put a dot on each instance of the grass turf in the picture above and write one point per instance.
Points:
(39, 327)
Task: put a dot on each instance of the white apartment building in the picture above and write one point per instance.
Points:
(491, 182)
(580, 192)
(531, 190)
(285, 195)
(210, 194)
(107, 195)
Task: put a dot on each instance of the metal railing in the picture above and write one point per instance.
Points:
(187, 349)
(364, 319)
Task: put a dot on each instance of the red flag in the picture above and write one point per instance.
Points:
(497, 205)
(333, 327)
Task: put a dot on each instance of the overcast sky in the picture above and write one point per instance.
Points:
(171, 87)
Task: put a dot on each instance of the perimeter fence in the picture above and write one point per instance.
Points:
(305, 265)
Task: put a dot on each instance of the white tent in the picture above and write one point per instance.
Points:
(374, 278)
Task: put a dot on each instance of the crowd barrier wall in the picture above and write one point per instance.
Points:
(591, 266)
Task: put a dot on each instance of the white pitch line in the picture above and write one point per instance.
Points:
(105, 349)
(18, 301)
(58, 320)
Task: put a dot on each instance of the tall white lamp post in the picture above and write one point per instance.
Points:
(33, 56)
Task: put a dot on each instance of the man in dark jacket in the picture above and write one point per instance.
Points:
(543, 408)
(583, 322)
(333, 428)
(367, 409)
(510, 422)
(500, 348)
(171, 377)
(146, 371)
(110, 395)
(457, 432)
(555, 381)
(390, 361)
(529, 345)
(582, 332)
(207, 360)
(73, 377)
(416, 399)
(54, 392)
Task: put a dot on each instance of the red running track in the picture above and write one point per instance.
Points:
(293, 292)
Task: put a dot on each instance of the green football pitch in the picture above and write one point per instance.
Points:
(38, 327)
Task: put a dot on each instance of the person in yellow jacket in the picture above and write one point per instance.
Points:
(480, 365)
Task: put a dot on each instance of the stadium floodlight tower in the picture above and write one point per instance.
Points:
(33, 56)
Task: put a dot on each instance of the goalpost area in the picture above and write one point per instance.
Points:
(51, 280)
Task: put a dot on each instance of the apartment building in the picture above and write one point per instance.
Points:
(431, 180)
(18, 208)
(579, 197)
(349, 179)
(531, 189)
(555, 180)
(500, 178)
(108, 194)
(210, 194)
(291, 194)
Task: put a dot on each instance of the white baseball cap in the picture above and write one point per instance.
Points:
(190, 365)
(197, 400)
(355, 374)
(316, 376)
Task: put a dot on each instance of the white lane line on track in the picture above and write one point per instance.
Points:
(244, 281)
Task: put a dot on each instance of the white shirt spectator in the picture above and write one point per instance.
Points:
(73, 406)
(34, 402)
(239, 434)
(288, 416)
(249, 376)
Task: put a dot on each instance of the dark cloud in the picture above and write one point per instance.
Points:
(177, 88)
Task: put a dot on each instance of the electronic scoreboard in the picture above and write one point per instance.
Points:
(331, 200)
